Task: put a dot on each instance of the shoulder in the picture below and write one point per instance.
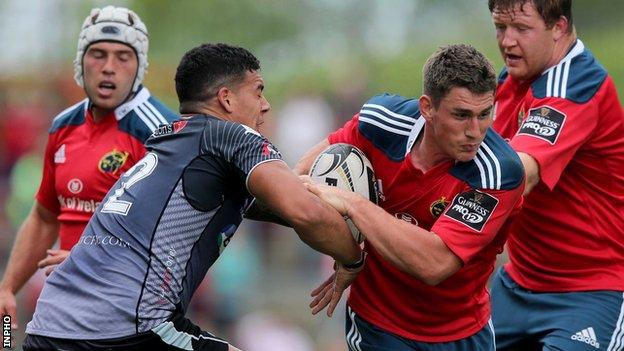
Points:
(387, 121)
(73, 115)
(227, 134)
(576, 78)
(502, 76)
(143, 114)
(496, 166)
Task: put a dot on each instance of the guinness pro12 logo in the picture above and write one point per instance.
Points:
(544, 123)
(472, 208)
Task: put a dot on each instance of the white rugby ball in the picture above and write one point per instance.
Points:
(346, 167)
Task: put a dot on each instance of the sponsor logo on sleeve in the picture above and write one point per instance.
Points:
(269, 150)
(167, 129)
(112, 161)
(544, 123)
(472, 208)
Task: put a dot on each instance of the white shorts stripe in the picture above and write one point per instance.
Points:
(618, 333)
(353, 337)
(491, 325)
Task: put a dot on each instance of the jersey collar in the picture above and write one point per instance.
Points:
(576, 50)
(122, 110)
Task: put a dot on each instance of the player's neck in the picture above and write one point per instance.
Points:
(201, 108)
(426, 153)
(100, 114)
(562, 48)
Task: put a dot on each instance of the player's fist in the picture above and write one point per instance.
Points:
(8, 305)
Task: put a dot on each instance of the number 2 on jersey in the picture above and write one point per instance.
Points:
(140, 170)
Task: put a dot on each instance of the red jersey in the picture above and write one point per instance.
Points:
(569, 235)
(83, 159)
(465, 203)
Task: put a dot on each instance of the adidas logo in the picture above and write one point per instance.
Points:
(587, 336)
(59, 155)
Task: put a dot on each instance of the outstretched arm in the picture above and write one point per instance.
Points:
(414, 250)
(317, 224)
(37, 234)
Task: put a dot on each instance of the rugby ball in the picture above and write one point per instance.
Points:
(345, 166)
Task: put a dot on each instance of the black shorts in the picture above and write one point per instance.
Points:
(175, 335)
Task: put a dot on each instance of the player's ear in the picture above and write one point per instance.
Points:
(560, 28)
(225, 96)
(426, 106)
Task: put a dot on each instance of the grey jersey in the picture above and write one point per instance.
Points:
(156, 233)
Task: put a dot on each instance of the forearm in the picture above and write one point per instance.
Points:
(327, 232)
(414, 250)
(259, 211)
(531, 169)
(33, 239)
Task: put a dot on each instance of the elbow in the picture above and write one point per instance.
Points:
(305, 216)
(436, 272)
(433, 278)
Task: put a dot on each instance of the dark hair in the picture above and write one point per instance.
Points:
(457, 65)
(550, 10)
(203, 70)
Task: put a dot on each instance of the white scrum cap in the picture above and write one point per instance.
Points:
(117, 24)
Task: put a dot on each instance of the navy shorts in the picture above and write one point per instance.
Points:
(364, 336)
(175, 335)
(571, 321)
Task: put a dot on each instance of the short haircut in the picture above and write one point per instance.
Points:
(460, 66)
(207, 68)
(550, 10)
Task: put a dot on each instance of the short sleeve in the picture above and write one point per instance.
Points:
(474, 218)
(552, 131)
(46, 195)
(240, 146)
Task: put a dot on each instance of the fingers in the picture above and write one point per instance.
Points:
(8, 305)
(50, 269)
(322, 286)
(305, 179)
(324, 300)
(54, 257)
(337, 294)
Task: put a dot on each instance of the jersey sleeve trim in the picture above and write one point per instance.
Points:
(388, 121)
(256, 165)
(496, 166)
(73, 115)
(576, 78)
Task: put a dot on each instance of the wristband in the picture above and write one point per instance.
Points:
(357, 264)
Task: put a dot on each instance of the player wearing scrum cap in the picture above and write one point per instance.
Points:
(90, 144)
